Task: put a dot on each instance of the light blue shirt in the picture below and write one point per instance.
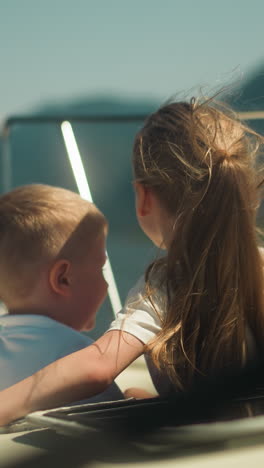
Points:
(30, 342)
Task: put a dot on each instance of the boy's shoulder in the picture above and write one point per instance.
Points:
(31, 342)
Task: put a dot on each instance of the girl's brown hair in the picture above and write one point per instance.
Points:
(200, 161)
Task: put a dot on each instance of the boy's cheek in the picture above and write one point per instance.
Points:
(90, 324)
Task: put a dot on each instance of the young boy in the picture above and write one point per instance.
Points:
(52, 251)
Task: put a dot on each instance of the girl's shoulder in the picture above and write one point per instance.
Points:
(150, 295)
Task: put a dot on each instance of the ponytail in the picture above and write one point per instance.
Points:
(212, 274)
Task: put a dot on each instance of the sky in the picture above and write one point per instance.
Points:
(58, 50)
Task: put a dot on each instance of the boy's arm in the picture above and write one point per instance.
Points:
(75, 377)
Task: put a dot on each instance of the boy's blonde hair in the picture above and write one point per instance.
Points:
(38, 225)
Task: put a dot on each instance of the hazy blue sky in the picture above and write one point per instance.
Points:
(57, 49)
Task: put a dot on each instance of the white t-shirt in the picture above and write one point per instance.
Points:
(139, 318)
(31, 342)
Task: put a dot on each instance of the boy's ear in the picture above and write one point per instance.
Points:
(59, 277)
(143, 199)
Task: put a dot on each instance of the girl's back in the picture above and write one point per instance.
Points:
(199, 161)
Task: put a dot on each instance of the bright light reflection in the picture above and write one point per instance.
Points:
(76, 161)
(84, 191)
